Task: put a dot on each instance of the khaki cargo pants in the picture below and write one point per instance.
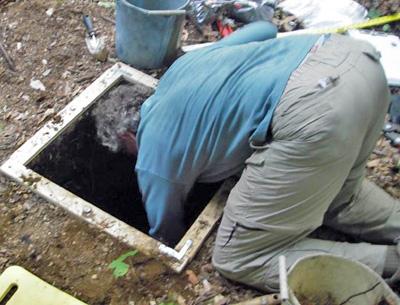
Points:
(312, 172)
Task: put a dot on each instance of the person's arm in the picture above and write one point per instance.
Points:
(256, 31)
(164, 201)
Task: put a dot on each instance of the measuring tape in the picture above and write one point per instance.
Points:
(361, 25)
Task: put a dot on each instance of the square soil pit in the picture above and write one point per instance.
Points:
(65, 163)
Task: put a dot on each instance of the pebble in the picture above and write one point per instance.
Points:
(47, 72)
(50, 12)
(37, 85)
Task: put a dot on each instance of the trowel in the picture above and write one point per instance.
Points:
(95, 45)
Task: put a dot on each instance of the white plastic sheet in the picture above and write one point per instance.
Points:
(325, 13)
(389, 47)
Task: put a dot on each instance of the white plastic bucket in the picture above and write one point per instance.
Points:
(334, 280)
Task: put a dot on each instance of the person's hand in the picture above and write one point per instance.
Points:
(128, 140)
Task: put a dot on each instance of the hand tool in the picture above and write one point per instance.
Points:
(95, 45)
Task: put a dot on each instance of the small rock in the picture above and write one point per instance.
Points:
(28, 204)
(13, 24)
(50, 12)
(44, 61)
(94, 277)
(220, 300)
(19, 46)
(66, 74)
(49, 112)
(67, 89)
(47, 72)
(207, 286)
(180, 300)
(37, 85)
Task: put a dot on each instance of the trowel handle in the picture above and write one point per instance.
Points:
(87, 21)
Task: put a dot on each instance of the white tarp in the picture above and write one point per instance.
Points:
(325, 13)
(389, 47)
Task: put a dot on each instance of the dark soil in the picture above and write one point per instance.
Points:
(80, 164)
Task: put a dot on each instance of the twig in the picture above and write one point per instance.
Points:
(7, 57)
(85, 78)
(107, 19)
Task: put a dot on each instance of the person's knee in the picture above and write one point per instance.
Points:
(238, 271)
(226, 267)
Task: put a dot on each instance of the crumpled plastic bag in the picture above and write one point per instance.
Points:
(206, 11)
(325, 13)
(254, 10)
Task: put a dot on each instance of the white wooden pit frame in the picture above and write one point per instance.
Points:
(15, 167)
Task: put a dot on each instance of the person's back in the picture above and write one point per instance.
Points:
(208, 108)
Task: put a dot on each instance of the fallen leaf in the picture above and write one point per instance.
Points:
(373, 163)
(192, 277)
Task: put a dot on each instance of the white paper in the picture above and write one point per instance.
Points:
(325, 13)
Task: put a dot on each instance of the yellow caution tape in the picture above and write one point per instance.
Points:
(361, 25)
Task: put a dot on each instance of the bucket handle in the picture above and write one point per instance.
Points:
(166, 13)
(156, 12)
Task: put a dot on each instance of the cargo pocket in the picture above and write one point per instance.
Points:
(331, 58)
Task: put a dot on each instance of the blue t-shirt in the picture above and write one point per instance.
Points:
(207, 108)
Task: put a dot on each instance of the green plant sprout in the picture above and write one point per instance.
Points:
(121, 268)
